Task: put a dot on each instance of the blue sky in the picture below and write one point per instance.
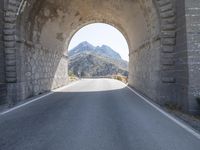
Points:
(98, 34)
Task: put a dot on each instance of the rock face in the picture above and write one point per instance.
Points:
(89, 61)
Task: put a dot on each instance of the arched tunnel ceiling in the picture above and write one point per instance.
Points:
(58, 20)
(44, 29)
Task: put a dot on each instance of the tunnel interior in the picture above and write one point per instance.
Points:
(44, 29)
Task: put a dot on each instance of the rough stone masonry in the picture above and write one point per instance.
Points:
(163, 38)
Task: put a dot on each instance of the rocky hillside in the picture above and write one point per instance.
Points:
(89, 61)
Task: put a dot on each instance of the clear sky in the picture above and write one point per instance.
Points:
(99, 34)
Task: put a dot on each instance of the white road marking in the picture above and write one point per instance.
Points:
(38, 98)
(181, 124)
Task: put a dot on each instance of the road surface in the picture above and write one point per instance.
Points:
(99, 114)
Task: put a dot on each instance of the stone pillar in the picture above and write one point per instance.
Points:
(181, 57)
(2, 77)
(168, 42)
(2, 63)
(9, 39)
(192, 15)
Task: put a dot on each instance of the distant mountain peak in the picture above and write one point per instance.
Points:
(85, 43)
(103, 50)
(105, 46)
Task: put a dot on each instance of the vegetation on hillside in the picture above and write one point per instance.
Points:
(87, 61)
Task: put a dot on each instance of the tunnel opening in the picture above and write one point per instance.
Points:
(98, 50)
(40, 32)
(45, 28)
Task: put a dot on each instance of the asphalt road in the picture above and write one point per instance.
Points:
(98, 114)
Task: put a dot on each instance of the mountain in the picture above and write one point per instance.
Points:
(87, 60)
(104, 50)
(82, 47)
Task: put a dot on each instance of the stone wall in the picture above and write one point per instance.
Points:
(152, 64)
(39, 70)
(31, 68)
(181, 56)
(145, 70)
(167, 59)
(192, 13)
(2, 65)
(2, 73)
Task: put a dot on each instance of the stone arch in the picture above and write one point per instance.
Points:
(163, 41)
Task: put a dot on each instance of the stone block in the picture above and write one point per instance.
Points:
(169, 41)
(168, 80)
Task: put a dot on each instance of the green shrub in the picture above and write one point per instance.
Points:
(119, 78)
(170, 105)
(71, 74)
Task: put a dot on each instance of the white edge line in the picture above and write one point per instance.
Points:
(17, 107)
(184, 126)
(38, 98)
